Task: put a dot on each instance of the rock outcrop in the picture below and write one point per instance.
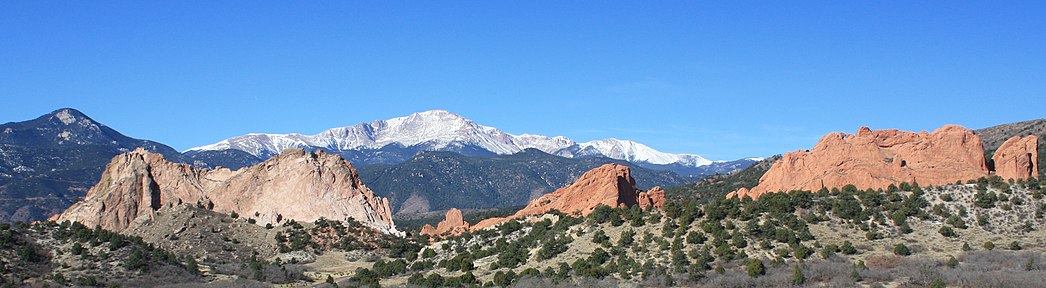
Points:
(875, 159)
(299, 185)
(610, 185)
(453, 224)
(653, 198)
(428, 230)
(1017, 158)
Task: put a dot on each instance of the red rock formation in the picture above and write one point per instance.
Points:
(610, 185)
(299, 185)
(876, 159)
(1017, 158)
(452, 224)
(428, 230)
(653, 198)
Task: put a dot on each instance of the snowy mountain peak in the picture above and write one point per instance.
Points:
(636, 152)
(436, 113)
(441, 130)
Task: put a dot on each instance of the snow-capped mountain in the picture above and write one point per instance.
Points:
(439, 130)
(632, 151)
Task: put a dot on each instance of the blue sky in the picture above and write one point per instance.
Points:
(724, 81)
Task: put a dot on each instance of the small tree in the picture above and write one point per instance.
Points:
(797, 276)
(627, 238)
(989, 246)
(848, 248)
(937, 283)
(77, 249)
(901, 250)
(190, 264)
(1015, 245)
(504, 279)
(330, 280)
(856, 276)
(756, 268)
(947, 231)
(600, 237)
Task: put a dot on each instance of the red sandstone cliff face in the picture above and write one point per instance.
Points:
(1017, 158)
(299, 185)
(876, 159)
(653, 198)
(453, 224)
(610, 185)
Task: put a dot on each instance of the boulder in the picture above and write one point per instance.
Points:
(1017, 158)
(428, 230)
(654, 198)
(453, 224)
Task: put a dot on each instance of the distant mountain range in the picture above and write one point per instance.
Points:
(49, 162)
(427, 161)
(398, 139)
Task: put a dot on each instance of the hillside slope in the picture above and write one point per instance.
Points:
(434, 181)
(721, 184)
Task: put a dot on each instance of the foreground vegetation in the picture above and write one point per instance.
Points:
(965, 234)
(71, 254)
(836, 237)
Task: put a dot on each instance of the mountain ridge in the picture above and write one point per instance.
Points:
(441, 130)
(48, 162)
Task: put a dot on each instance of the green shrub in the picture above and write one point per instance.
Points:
(797, 276)
(937, 283)
(947, 231)
(600, 237)
(947, 197)
(956, 221)
(756, 268)
(952, 262)
(901, 250)
(695, 237)
(848, 248)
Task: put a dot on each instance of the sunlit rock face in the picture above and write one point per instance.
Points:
(610, 185)
(299, 185)
(1017, 158)
(872, 159)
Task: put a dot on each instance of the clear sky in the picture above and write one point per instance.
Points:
(724, 81)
